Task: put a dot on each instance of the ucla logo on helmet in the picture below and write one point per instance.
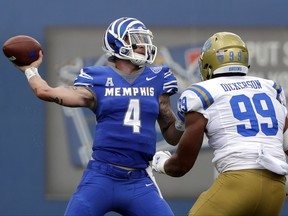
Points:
(207, 45)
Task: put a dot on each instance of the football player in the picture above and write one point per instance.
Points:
(127, 97)
(244, 119)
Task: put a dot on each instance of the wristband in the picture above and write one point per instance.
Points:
(30, 72)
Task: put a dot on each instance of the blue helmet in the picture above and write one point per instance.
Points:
(126, 34)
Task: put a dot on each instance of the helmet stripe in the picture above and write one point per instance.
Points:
(121, 26)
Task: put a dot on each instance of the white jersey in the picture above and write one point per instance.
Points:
(246, 117)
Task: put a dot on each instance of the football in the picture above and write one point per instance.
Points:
(21, 49)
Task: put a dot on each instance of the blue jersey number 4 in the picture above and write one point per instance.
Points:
(243, 109)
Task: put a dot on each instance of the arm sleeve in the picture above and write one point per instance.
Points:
(195, 98)
(280, 94)
(170, 85)
(84, 78)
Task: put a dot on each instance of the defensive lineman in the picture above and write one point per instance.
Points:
(244, 118)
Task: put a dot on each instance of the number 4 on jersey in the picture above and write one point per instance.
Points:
(132, 116)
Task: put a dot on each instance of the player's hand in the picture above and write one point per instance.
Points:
(159, 160)
(180, 121)
(35, 64)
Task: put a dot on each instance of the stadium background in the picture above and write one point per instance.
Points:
(36, 177)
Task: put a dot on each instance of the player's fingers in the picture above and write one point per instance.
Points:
(41, 53)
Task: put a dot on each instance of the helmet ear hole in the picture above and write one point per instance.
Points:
(113, 45)
(209, 74)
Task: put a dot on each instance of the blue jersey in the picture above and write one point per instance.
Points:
(126, 112)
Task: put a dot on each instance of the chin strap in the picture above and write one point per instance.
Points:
(140, 61)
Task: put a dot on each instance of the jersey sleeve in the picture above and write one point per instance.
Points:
(195, 99)
(170, 82)
(280, 94)
(85, 77)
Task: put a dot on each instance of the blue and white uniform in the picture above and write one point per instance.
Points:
(125, 135)
(246, 117)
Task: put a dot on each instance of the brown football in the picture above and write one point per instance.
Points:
(21, 49)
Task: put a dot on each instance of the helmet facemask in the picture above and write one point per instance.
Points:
(138, 38)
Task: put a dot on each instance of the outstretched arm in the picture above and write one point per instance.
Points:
(71, 96)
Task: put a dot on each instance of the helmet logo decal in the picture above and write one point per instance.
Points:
(207, 45)
(220, 55)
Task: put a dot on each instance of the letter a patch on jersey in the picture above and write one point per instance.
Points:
(109, 82)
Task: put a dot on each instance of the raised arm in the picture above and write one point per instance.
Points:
(70, 96)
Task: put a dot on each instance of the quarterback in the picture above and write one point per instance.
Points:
(128, 98)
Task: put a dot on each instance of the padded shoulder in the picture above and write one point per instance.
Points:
(195, 98)
(87, 75)
(170, 84)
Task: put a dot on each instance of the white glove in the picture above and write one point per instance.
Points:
(159, 160)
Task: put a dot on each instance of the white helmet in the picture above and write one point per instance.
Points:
(126, 34)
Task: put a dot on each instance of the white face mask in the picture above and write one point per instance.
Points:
(134, 39)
